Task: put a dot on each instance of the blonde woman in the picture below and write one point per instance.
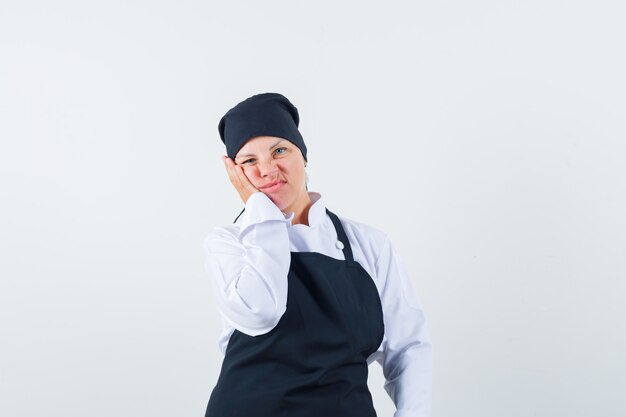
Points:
(308, 299)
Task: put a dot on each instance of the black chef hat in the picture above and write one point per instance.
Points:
(266, 114)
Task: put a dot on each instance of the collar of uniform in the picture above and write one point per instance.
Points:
(317, 211)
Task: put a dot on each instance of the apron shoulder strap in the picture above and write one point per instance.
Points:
(341, 234)
(239, 214)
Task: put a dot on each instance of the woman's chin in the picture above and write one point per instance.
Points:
(276, 199)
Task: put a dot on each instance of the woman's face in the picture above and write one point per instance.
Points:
(268, 159)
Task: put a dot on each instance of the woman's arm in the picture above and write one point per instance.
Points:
(405, 353)
(248, 267)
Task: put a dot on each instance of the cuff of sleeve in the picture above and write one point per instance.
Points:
(259, 208)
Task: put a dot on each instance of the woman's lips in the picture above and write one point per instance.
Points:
(273, 187)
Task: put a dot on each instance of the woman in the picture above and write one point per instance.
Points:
(308, 298)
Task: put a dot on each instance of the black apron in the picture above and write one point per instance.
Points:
(313, 363)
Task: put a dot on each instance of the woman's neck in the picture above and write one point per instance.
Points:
(301, 209)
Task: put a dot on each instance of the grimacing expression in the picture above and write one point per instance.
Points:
(267, 160)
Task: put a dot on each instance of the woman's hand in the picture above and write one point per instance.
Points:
(239, 180)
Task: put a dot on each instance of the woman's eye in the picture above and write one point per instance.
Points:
(284, 149)
(247, 160)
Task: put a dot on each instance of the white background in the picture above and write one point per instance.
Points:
(487, 138)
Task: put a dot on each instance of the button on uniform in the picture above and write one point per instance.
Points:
(339, 245)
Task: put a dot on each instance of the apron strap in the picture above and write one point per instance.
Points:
(341, 234)
(239, 214)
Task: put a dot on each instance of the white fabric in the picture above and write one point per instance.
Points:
(248, 263)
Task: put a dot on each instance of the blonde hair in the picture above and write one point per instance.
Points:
(306, 179)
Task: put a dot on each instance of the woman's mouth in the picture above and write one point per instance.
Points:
(274, 187)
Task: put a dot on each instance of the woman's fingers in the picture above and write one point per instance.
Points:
(239, 179)
(232, 175)
(243, 179)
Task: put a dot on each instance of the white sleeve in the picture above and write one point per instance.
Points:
(405, 353)
(248, 269)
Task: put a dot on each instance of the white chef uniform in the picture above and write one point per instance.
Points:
(248, 262)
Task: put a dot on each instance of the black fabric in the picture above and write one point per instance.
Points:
(265, 114)
(313, 363)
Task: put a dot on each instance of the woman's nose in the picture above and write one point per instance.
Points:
(267, 168)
